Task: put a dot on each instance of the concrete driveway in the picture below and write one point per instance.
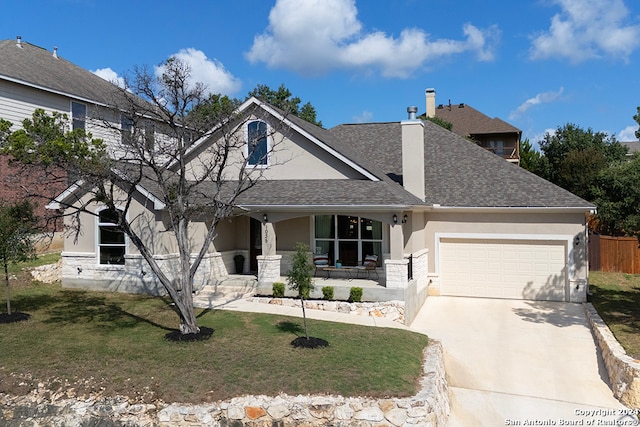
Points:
(511, 362)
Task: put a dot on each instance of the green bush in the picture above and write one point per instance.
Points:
(278, 289)
(355, 294)
(327, 292)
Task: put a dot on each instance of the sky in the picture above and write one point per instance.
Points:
(537, 64)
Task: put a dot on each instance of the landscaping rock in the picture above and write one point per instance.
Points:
(429, 407)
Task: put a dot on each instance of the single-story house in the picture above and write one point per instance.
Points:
(444, 217)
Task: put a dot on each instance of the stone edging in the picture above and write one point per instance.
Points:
(392, 310)
(623, 370)
(429, 407)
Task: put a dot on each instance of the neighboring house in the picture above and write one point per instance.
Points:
(32, 77)
(633, 147)
(419, 197)
(494, 135)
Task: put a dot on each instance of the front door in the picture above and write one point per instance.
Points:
(255, 245)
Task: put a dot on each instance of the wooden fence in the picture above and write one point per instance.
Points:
(618, 254)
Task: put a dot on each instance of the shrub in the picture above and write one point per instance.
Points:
(278, 289)
(327, 292)
(355, 294)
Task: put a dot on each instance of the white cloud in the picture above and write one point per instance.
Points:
(211, 72)
(588, 29)
(110, 75)
(364, 117)
(628, 134)
(536, 138)
(312, 37)
(541, 98)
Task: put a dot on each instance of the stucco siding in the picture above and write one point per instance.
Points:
(292, 157)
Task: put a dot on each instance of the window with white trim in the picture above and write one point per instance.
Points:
(257, 144)
(347, 238)
(78, 115)
(126, 129)
(111, 239)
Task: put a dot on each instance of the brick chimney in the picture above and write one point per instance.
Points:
(413, 154)
(431, 102)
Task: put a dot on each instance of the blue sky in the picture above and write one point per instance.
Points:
(537, 64)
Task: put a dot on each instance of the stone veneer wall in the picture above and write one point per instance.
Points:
(429, 407)
(624, 371)
(392, 310)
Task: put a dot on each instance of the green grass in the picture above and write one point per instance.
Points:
(92, 340)
(616, 296)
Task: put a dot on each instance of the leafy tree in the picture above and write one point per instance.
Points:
(18, 224)
(284, 99)
(164, 115)
(569, 147)
(440, 122)
(637, 119)
(300, 277)
(617, 195)
(532, 160)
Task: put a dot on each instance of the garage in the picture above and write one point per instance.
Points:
(504, 268)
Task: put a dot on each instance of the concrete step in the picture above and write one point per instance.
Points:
(224, 290)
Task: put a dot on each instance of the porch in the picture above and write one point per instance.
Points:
(239, 286)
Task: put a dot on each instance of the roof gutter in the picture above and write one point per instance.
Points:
(512, 209)
(57, 92)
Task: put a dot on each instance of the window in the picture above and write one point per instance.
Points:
(126, 129)
(257, 143)
(347, 238)
(149, 135)
(111, 241)
(497, 147)
(78, 115)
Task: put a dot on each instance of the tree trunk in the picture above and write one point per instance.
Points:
(6, 280)
(188, 323)
(304, 318)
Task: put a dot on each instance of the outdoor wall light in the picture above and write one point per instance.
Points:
(265, 217)
(79, 270)
(576, 241)
(404, 219)
(395, 218)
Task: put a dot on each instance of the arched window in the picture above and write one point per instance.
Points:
(257, 143)
(111, 240)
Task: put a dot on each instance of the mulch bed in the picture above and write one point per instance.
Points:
(14, 317)
(204, 334)
(312, 342)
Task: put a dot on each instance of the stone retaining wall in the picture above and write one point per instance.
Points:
(392, 310)
(624, 371)
(429, 407)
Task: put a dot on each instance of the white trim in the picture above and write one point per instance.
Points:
(97, 238)
(246, 144)
(56, 203)
(57, 92)
(511, 209)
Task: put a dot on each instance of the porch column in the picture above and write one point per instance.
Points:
(268, 262)
(396, 268)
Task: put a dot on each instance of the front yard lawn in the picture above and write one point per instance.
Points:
(90, 341)
(616, 296)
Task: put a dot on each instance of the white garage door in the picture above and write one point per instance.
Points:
(516, 269)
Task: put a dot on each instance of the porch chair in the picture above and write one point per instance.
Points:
(320, 261)
(369, 264)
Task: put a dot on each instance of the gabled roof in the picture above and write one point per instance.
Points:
(467, 121)
(632, 147)
(457, 174)
(33, 66)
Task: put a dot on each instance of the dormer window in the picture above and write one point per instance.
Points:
(257, 145)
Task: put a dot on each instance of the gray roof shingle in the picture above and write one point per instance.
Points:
(36, 66)
(458, 173)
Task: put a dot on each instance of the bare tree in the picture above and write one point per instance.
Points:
(195, 165)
